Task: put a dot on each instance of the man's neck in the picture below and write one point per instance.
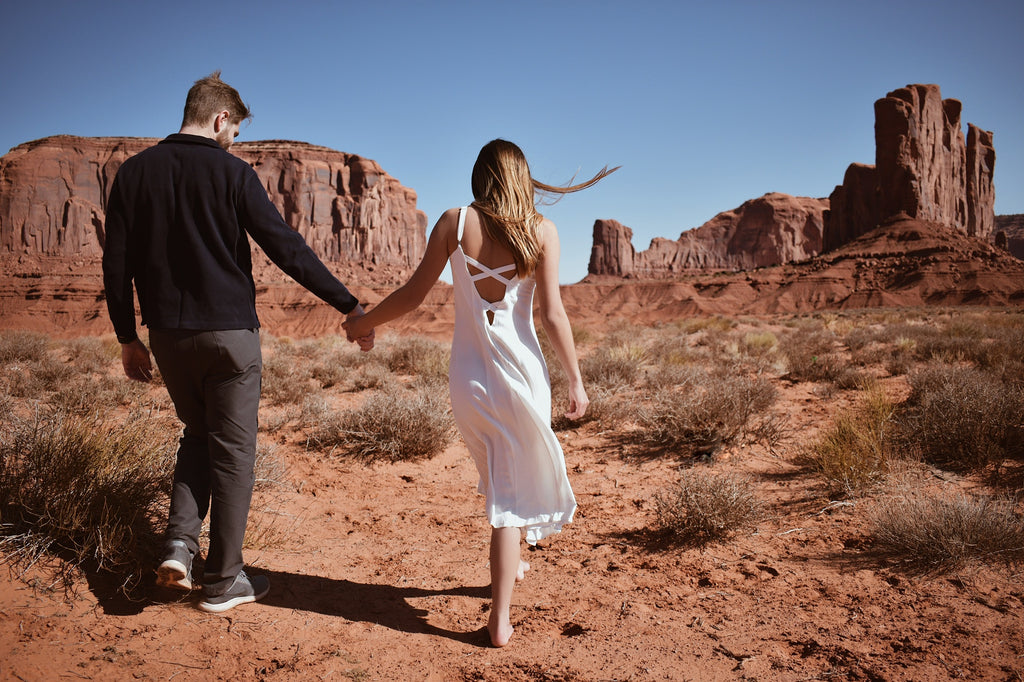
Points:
(198, 130)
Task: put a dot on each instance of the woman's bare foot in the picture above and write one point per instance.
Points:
(500, 633)
(521, 571)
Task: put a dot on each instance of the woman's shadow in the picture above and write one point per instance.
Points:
(384, 605)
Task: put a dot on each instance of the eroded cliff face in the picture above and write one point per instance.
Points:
(924, 169)
(53, 195)
(1009, 233)
(772, 229)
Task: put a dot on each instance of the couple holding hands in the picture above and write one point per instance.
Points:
(178, 220)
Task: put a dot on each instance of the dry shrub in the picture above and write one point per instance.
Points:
(336, 361)
(941, 531)
(89, 395)
(703, 413)
(707, 324)
(370, 375)
(858, 449)
(393, 425)
(706, 506)
(37, 377)
(812, 355)
(672, 349)
(22, 346)
(85, 491)
(314, 412)
(93, 355)
(6, 409)
(287, 378)
(606, 408)
(964, 417)
(612, 367)
(269, 470)
(759, 343)
(419, 356)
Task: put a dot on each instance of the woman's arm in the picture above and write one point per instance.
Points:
(555, 321)
(409, 296)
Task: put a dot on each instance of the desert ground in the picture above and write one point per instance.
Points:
(378, 562)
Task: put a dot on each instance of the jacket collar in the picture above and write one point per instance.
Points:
(185, 138)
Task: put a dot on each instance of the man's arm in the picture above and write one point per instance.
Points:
(117, 268)
(286, 247)
(118, 274)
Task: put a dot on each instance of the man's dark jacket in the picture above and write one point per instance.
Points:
(176, 226)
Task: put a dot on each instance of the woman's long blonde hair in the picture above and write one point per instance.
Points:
(504, 194)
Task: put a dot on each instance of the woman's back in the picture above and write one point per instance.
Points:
(482, 249)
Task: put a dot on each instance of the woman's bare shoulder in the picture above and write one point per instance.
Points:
(547, 230)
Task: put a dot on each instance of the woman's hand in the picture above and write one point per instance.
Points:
(578, 401)
(357, 328)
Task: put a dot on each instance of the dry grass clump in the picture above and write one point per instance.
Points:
(706, 506)
(714, 323)
(418, 356)
(286, 379)
(269, 470)
(812, 355)
(36, 377)
(22, 346)
(83, 394)
(607, 408)
(893, 346)
(704, 412)
(964, 417)
(759, 343)
(92, 355)
(293, 369)
(940, 531)
(85, 491)
(857, 451)
(613, 367)
(392, 425)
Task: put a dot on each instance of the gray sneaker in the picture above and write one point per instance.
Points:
(176, 569)
(243, 591)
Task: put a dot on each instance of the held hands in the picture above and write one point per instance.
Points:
(358, 331)
(136, 362)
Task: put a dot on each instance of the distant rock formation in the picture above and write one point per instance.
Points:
(53, 196)
(924, 169)
(1011, 228)
(772, 229)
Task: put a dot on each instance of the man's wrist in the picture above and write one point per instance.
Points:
(125, 340)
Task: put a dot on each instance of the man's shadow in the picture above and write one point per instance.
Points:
(384, 605)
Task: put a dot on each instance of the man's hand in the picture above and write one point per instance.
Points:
(135, 360)
(366, 337)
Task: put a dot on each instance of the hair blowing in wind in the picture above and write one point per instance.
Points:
(505, 194)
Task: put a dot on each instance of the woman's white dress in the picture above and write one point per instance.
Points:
(501, 400)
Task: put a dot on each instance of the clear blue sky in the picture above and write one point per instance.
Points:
(703, 104)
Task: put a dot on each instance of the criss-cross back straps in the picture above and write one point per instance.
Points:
(485, 271)
(495, 273)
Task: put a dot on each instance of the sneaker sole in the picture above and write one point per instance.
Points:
(173, 574)
(231, 603)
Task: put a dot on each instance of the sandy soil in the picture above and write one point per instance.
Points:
(380, 573)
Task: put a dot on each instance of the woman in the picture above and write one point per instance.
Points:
(502, 251)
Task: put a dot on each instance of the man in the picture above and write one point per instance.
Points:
(178, 221)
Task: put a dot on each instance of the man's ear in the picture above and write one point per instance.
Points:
(221, 121)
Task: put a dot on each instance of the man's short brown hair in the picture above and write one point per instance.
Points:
(209, 96)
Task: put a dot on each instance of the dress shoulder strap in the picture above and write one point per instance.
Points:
(462, 222)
